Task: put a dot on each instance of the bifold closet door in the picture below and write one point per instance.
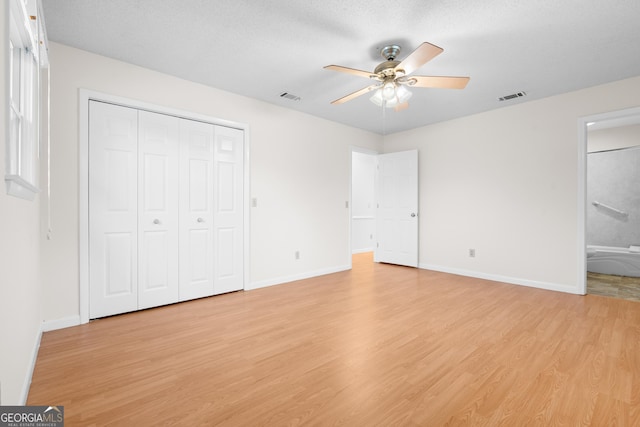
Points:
(158, 206)
(113, 205)
(228, 235)
(165, 209)
(196, 209)
(133, 209)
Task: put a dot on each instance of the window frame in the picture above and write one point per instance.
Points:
(27, 43)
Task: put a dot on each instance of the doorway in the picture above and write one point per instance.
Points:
(363, 200)
(610, 204)
(385, 206)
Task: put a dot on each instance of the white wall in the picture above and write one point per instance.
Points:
(20, 312)
(505, 183)
(300, 173)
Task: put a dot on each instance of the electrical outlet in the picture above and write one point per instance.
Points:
(297, 254)
(472, 253)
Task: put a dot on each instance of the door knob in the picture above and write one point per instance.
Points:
(200, 220)
(413, 215)
(156, 221)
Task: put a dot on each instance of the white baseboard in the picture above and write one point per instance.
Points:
(293, 278)
(32, 366)
(65, 322)
(49, 325)
(504, 279)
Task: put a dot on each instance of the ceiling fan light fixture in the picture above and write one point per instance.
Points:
(403, 94)
(388, 90)
(400, 95)
(377, 98)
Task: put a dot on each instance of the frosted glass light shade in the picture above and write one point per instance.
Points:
(383, 96)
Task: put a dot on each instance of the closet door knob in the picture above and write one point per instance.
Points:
(200, 220)
(156, 221)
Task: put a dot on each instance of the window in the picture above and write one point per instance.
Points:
(27, 54)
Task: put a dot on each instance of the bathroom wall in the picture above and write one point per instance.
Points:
(613, 179)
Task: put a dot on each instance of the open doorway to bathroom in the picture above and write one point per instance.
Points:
(363, 200)
(613, 207)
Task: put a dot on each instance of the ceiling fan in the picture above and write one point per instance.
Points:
(392, 77)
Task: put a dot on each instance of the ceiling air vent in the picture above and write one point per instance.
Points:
(512, 96)
(290, 96)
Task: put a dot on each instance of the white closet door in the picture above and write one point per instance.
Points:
(228, 210)
(196, 209)
(113, 199)
(158, 204)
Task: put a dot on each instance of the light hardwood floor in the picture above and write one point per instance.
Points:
(378, 345)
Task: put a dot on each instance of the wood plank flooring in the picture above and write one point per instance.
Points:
(378, 345)
(614, 286)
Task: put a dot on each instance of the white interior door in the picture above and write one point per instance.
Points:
(113, 205)
(196, 209)
(158, 206)
(397, 215)
(228, 210)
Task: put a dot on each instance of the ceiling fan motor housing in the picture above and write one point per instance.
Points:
(387, 68)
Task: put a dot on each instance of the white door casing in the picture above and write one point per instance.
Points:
(196, 209)
(397, 213)
(113, 199)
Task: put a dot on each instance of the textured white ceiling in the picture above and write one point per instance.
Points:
(263, 48)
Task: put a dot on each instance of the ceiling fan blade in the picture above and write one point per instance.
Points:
(402, 106)
(353, 95)
(440, 82)
(423, 54)
(348, 70)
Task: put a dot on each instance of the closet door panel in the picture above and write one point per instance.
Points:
(113, 193)
(158, 204)
(229, 214)
(196, 209)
